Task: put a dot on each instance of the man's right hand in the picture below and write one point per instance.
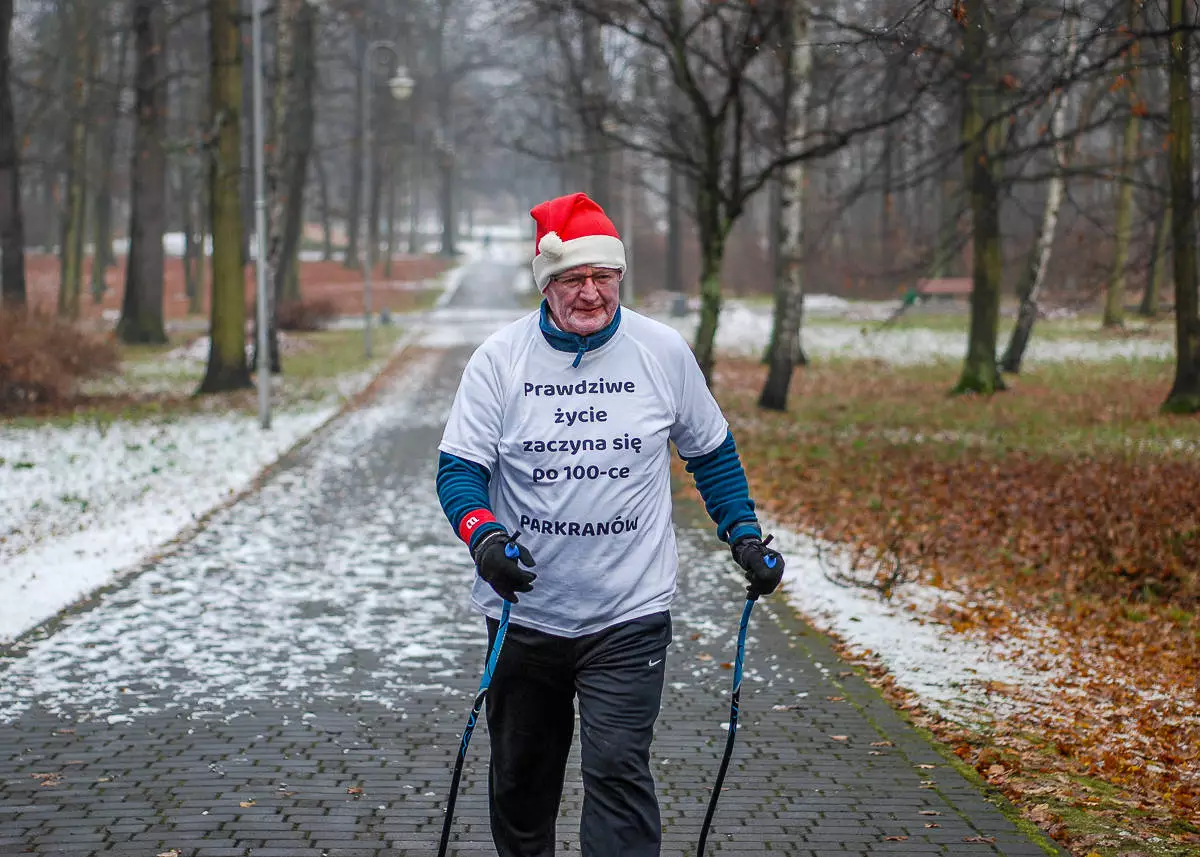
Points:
(496, 557)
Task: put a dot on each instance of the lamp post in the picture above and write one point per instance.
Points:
(401, 86)
(263, 369)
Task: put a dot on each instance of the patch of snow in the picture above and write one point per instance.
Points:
(745, 331)
(81, 502)
(949, 671)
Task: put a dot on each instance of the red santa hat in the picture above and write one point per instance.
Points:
(571, 231)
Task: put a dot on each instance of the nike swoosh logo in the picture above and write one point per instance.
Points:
(656, 663)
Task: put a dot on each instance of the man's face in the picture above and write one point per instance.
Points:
(584, 299)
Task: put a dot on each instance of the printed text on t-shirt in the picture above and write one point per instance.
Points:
(580, 388)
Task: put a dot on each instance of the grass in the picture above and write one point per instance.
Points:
(1052, 409)
(150, 387)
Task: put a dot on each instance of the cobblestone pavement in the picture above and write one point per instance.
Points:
(294, 679)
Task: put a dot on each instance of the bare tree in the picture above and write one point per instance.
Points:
(295, 59)
(142, 305)
(78, 21)
(12, 225)
(789, 276)
(980, 136)
(227, 369)
(1033, 275)
(1184, 396)
(1114, 303)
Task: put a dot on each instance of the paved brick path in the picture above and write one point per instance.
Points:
(293, 682)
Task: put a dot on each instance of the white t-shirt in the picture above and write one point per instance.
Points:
(580, 464)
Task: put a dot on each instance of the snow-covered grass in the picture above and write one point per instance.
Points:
(949, 671)
(84, 498)
(79, 503)
(745, 330)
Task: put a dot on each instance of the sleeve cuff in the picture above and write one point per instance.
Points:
(744, 528)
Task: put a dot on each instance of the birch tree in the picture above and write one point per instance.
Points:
(12, 225)
(1033, 275)
(789, 276)
(142, 305)
(227, 369)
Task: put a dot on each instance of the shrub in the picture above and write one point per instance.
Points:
(42, 358)
(313, 314)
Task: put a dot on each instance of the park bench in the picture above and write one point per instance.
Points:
(944, 287)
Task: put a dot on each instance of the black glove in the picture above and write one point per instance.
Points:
(496, 558)
(763, 566)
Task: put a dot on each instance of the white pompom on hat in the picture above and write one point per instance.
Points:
(572, 231)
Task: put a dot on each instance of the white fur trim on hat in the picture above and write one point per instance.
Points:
(555, 255)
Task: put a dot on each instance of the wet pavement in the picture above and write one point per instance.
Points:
(294, 680)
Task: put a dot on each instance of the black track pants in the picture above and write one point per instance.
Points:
(617, 674)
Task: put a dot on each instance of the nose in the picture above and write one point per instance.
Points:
(589, 292)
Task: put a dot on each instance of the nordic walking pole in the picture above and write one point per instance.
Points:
(751, 597)
(510, 551)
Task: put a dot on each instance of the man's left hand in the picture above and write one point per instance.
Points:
(763, 565)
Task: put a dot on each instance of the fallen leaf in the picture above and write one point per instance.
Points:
(895, 838)
(250, 802)
(354, 790)
(987, 839)
(839, 737)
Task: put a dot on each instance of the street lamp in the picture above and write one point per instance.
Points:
(401, 86)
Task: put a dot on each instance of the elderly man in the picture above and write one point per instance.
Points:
(560, 431)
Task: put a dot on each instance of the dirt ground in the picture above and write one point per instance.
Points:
(318, 281)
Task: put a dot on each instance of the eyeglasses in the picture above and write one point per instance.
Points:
(602, 279)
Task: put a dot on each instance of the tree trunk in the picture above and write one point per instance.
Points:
(227, 369)
(391, 213)
(374, 204)
(1114, 303)
(713, 234)
(102, 205)
(947, 238)
(980, 373)
(142, 305)
(789, 276)
(326, 215)
(295, 70)
(12, 224)
(449, 228)
(595, 94)
(301, 122)
(187, 193)
(76, 209)
(1034, 273)
(445, 143)
(356, 157)
(414, 201)
(674, 233)
(1152, 296)
(1184, 396)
